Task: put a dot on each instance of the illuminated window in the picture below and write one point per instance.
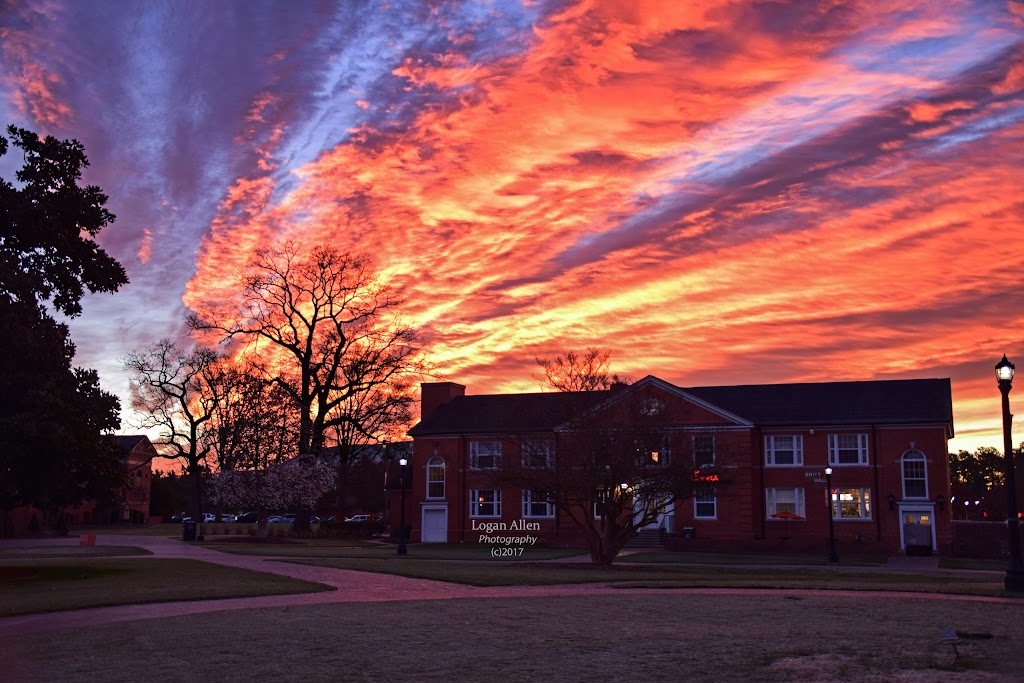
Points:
(783, 450)
(537, 504)
(435, 478)
(785, 500)
(848, 449)
(538, 454)
(915, 480)
(484, 455)
(851, 504)
(652, 452)
(484, 503)
(705, 505)
(703, 450)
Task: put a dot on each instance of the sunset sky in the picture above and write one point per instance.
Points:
(716, 192)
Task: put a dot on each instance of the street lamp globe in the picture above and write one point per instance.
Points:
(403, 461)
(1004, 370)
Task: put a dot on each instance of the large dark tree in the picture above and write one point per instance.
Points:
(328, 331)
(53, 414)
(176, 391)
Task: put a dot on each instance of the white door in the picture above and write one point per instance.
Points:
(917, 532)
(665, 516)
(435, 525)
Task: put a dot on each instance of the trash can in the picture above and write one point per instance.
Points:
(188, 531)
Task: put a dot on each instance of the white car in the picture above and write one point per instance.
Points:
(228, 518)
(364, 518)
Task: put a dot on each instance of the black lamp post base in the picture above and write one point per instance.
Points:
(402, 550)
(1014, 580)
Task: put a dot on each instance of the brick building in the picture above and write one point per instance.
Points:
(886, 442)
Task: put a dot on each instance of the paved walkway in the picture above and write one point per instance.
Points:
(354, 586)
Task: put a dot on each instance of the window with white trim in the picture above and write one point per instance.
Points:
(484, 455)
(537, 504)
(915, 479)
(435, 478)
(703, 450)
(485, 503)
(851, 504)
(848, 449)
(538, 454)
(781, 450)
(780, 501)
(705, 505)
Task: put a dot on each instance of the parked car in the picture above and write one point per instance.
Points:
(288, 518)
(248, 518)
(228, 518)
(275, 519)
(364, 518)
(180, 517)
(329, 519)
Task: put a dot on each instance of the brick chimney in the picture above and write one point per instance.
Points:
(433, 395)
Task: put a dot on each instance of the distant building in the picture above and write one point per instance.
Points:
(130, 504)
(886, 442)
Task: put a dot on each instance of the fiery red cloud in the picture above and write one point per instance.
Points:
(717, 192)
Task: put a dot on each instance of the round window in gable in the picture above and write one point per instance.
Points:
(651, 406)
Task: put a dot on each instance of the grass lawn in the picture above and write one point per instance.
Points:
(725, 558)
(46, 585)
(665, 576)
(81, 551)
(661, 637)
(327, 548)
(968, 563)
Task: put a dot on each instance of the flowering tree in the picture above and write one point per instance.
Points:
(299, 482)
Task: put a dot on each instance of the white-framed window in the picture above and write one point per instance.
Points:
(779, 500)
(485, 503)
(703, 450)
(848, 449)
(435, 478)
(851, 504)
(705, 505)
(537, 504)
(484, 455)
(599, 498)
(915, 478)
(653, 452)
(781, 450)
(538, 454)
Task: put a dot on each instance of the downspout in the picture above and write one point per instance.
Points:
(465, 492)
(759, 449)
(878, 494)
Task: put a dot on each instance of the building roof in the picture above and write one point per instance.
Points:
(506, 413)
(907, 401)
(881, 402)
(129, 442)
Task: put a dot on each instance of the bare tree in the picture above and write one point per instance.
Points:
(173, 391)
(616, 463)
(585, 371)
(334, 324)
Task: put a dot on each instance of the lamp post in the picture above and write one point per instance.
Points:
(402, 550)
(832, 556)
(1014, 580)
